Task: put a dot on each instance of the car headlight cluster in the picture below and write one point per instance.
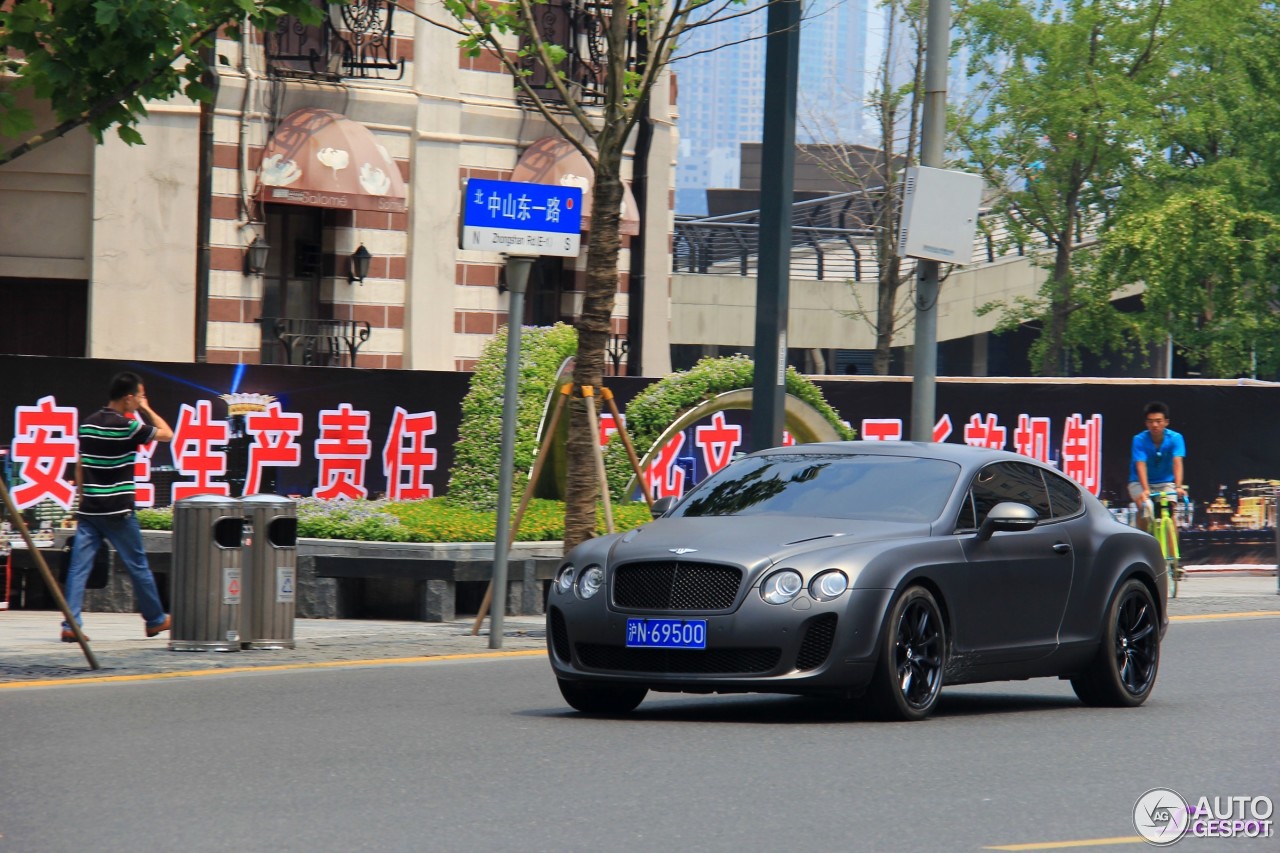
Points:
(829, 585)
(564, 580)
(783, 586)
(589, 581)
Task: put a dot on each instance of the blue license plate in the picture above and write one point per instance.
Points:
(667, 633)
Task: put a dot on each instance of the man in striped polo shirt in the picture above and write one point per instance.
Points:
(109, 441)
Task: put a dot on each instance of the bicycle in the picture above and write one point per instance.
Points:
(1164, 526)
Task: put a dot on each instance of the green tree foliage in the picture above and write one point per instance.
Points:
(1199, 232)
(1211, 267)
(1066, 110)
(97, 64)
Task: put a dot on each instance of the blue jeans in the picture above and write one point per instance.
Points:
(123, 533)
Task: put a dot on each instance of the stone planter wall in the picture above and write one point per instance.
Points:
(332, 598)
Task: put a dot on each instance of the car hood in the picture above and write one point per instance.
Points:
(754, 541)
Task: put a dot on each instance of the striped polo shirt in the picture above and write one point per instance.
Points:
(108, 445)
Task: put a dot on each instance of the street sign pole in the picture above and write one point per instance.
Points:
(523, 221)
(518, 267)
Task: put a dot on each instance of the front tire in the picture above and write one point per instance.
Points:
(605, 699)
(908, 676)
(1124, 672)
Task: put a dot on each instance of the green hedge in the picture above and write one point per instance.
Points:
(433, 520)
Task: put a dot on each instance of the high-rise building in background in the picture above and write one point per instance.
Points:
(722, 89)
(843, 44)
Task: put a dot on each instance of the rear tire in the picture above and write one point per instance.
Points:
(1124, 672)
(606, 699)
(913, 653)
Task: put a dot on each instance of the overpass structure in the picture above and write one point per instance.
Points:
(834, 273)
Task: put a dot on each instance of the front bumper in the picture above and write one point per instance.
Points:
(807, 646)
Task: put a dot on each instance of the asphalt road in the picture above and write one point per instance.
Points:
(461, 755)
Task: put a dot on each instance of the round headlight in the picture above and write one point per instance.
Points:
(828, 585)
(781, 587)
(591, 581)
(564, 580)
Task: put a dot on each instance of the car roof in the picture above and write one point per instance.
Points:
(961, 454)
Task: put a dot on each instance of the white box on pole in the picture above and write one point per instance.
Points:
(939, 214)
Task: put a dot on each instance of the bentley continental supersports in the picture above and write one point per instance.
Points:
(871, 572)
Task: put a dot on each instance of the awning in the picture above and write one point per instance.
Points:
(554, 160)
(324, 159)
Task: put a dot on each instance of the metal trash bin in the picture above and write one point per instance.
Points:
(271, 571)
(206, 583)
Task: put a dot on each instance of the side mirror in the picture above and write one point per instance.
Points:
(661, 505)
(1007, 516)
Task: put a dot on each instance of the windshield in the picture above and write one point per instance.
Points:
(881, 488)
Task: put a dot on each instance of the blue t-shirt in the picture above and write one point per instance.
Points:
(1159, 459)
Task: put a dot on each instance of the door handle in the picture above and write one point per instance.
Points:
(1061, 548)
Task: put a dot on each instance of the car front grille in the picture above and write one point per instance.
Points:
(819, 634)
(676, 585)
(663, 661)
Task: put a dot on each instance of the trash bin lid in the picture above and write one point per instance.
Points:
(208, 501)
(267, 499)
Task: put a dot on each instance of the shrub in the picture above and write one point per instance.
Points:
(473, 481)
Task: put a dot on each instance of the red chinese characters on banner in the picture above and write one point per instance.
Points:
(44, 444)
(717, 442)
(342, 450)
(275, 443)
(144, 493)
(608, 426)
(988, 433)
(881, 429)
(1082, 451)
(406, 458)
(1031, 437)
(665, 478)
(890, 429)
(942, 429)
(194, 439)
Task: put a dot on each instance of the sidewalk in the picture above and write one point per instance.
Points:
(30, 648)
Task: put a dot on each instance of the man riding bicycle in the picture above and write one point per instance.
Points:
(1155, 463)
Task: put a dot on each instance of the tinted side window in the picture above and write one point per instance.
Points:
(1064, 495)
(1009, 481)
(967, 519)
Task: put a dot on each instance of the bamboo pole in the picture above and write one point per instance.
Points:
(588, 395)
(626, 442)
(47, 575)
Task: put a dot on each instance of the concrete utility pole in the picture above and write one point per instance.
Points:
(773, 269)
(933, 137)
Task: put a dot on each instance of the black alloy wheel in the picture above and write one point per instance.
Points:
(908, 675)
(1125, 670)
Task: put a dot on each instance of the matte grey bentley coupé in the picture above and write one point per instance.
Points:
(852, 569)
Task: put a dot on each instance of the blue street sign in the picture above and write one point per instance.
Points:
(521, 219)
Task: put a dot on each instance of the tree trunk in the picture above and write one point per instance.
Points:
(1059, 310)
(594, 327)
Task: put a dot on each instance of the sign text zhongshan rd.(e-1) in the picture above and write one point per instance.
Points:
(521, 219)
